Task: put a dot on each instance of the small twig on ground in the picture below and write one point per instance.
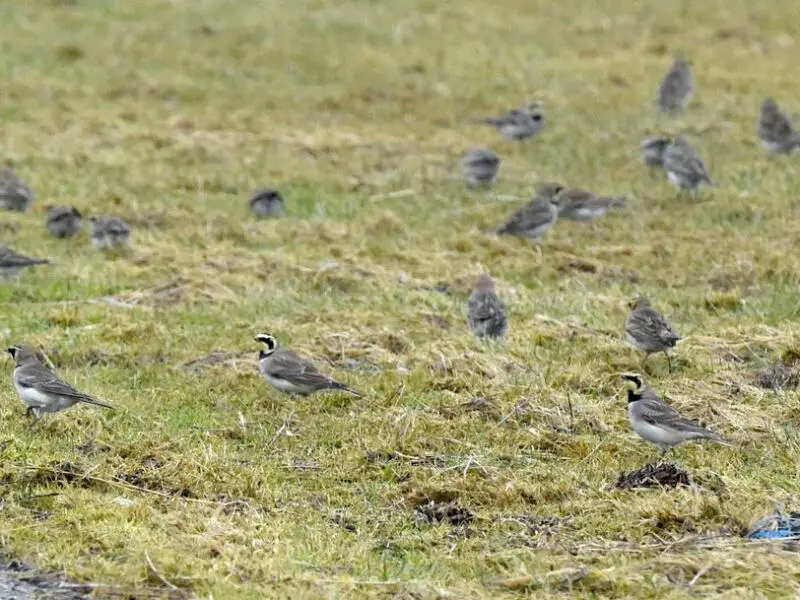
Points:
(699, 574)
(160, 577)
(282, 428)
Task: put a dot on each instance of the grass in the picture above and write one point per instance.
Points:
(169, 113)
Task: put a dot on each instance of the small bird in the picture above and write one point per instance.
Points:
(652, 149)
(775, 129)
(109, 232)
(39, 388)
(677, 87)
(15, 194)
(579, 205)
(63, 221)
(12, 262)
(519, 123)
(684, 167)
(486, 312)
(480, 166)
(288, 372)
(649, 331)
(657, 422)
(267, 202)
(537, 216)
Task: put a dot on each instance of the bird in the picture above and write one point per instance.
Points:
(648, 330)
(652, 150)
(657, 422)
(480, 166)
(519, 123)
(267, 202)
(579, 205)
(63, 221)
(288, 372)
(677, 87)
(775, 129)
(15, 194)
(109, 232)
(39, 388)
(486, 312)
(12, 262)
(537, 216)
(684, 167)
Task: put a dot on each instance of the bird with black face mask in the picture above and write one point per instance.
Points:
(657, 422)
(39, 388)
(288, 372)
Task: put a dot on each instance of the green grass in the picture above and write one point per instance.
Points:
(169, 113)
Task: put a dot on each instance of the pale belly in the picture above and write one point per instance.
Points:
(44, 402)
(284, 385)
(657, 435)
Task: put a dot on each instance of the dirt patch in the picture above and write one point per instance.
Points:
(19, 581)
(778, 375)
(654, 475)
(450, 513)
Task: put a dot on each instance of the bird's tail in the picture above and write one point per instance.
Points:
(615, 200)
(335, 385)
(715, 437)
(95, 402)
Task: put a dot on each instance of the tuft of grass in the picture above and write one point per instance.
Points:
(468, 470)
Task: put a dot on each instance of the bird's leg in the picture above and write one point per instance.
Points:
(669, 361)
(664, 452)
(29, 412)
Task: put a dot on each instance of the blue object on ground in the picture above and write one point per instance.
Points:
(777, 526)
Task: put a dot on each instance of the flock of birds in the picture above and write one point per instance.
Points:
(646, 328)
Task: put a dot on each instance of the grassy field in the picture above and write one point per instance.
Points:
(169, 113)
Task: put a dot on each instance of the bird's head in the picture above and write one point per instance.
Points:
(21, 353)
(634, 384)
(269, 341)
(638, 302)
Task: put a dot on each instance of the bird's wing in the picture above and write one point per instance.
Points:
(531, 215)
(656, 412)
(774, 124)
(285, 364)
(651, 323)
(10, 258)
(43, 379)
(484, 306)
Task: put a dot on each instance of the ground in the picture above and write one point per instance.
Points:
(169, 113)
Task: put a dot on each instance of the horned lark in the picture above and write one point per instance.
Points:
(775, 129)
(579, 205)
(649, 331)
(15, 194)
(109, 232)
(652, 149)
(537, 216)
(63, 221)
(677, 87)
(657, 422)
(486, 312)
(12, 262)
(480, 166)
(39, 388)
(518, 124)
(684, 167)
(288, 372)
(267, 202)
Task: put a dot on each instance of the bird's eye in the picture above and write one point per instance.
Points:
(536, 117)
